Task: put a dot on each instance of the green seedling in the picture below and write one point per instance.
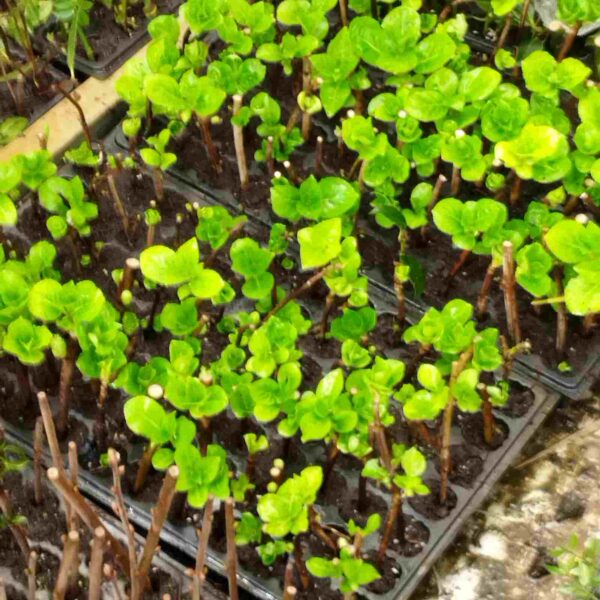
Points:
(158, 159)
(401, 474)
(163, 430)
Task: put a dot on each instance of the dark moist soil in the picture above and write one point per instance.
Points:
(46, 524)
(107, 38)
(339, 498)
(36, 99)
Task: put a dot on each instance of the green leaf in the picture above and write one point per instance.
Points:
(146, 417)
(168, 267)
(320, 244)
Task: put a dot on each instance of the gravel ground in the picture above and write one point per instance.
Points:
(501, 552)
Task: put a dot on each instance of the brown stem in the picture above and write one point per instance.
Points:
(317, 529)
(95, 567)
(379, 432)
(20, 95)
(213, 153)
(72, 520)
(524, 13)
(319, 152)
(332, 456)
(38, 446)
(329, 302)
(116, 198)
(159, 516)
(203, 537)
(510, 299)
(68, 565)
(150, 235)
(144, 467)
(445, 459)
(295, 293)
(515, 190)
(121, 511)
(458, 265)
(307, 88)
(561, 317)
(392, 516)
(269, 157)
(489, 425)
(231, 550)
(2, 589)
(73, 99)
(18, 531)
(568, 42)
(503, 33)
(238, 140)
(300, 564)
(484, 294)
(343, 12)
(158, 179)
(31, 573)
(455, 181)
(64, 395)
(154, 308)
(289, 589)
(129, 271)
(291, 172)
(57, 459)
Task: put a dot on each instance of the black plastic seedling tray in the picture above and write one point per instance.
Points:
(575, 385)
(491, 464)
(183, 539)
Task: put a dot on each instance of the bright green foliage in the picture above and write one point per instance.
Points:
(354, 324)
(147, 418)
(68, 305)
(270, 395)
(157, 156)
(10, 128)
(272, 344)
(66, 200)
(574, 12)
(352, 572)
(539, 152)
(320, 243)
(253, 262)
(544, 75)
(310, 15)
(394, 44)
(28, 342)
(268, 111)
(286, 510)
(182, 267)
(408, 465)
(578, 246)
(481, 226)
(256, 443)
(314, 199)
(579, 565)
(216, 224)
(103, 345)
(534, 266)
(321, 414)
(236, 75)
(201, 476)
(335, 67)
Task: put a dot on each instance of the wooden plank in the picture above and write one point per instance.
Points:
(97, 99)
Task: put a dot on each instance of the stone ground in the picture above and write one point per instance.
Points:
(500, 554)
